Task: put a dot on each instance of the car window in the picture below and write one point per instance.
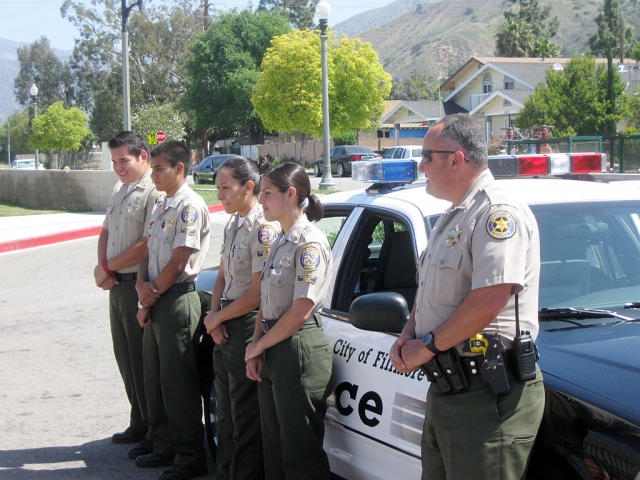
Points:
(380, 257)
(217, 161)
(331, 225)
(357, 149)
(590, 253)
(399, 153)
(335, 151)
(389, 153)
(416, 153)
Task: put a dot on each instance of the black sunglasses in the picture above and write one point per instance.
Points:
(426, 155)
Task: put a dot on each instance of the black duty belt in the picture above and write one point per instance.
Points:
(182, 287)
(126, 277)
(471, 365)
(225, 302)
(268, 324)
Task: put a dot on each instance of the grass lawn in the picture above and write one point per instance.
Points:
(208, 192)
(8, 209)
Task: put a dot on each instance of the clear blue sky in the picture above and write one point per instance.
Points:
(27, 20)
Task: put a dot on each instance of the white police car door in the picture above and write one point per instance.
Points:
(375, 415)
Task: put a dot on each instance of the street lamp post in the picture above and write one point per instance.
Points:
(126, 102)
(33, 91)
(323, 9)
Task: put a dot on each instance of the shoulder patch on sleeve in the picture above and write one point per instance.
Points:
(266, 235)
(310, 258)
(501, 225)
(189, 215)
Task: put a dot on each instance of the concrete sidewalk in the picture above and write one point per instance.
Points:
(27, 231)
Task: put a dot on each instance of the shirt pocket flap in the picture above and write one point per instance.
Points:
(445, 257)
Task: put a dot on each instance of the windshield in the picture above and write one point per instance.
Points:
(27, 164)
(218, 160)
(357, 149)
(590, 254)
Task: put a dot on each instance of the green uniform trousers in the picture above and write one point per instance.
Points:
(293, 401)
(171, 379)
(478, 435)
(239, 435)
(126, 334)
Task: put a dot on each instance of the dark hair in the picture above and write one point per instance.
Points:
(468, 135)
(293, 175)
(134, 142)
(244, 169)
(174, 152)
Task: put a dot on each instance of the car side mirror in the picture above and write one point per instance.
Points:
(379, 312)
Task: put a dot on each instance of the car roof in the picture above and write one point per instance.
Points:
(356, 148)
(532, 191)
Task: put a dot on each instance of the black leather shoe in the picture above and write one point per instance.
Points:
(128, 436)
(183, 472)
(153, 460)
(145, 448)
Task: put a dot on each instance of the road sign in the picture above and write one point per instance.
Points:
(160, 136)
(151, 138)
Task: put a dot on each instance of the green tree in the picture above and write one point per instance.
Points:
(292, 102)
(40, 65)
(158, 41)
(419, 85)
(629, 109)
(20, 133)
(608, 34)
(158, 117)
(527, 31)
(224, 69)
(300, 12)
(515, 39)
(59, 129)
(574, 100)
(606, 42)
(538, 17)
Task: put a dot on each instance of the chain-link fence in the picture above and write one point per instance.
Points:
(623, 151)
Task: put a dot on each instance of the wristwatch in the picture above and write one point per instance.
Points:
(140, 305)
(428, 341)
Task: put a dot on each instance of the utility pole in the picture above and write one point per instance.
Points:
(126, 101)
(621, 38)
(207, 19)
(9, 142)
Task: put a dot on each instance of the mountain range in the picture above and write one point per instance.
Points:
(437, 36)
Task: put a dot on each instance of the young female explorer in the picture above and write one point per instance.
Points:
(289, 354)
(232, 318)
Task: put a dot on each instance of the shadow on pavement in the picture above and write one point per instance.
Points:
(99, 459)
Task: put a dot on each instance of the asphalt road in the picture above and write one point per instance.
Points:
(61, 396)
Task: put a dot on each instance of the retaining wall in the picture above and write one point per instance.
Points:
(73, 190)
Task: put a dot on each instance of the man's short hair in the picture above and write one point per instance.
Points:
(174, 152)
(467, 134)
(134, 142)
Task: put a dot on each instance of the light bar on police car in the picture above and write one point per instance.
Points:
(549, 164)
(384, 171)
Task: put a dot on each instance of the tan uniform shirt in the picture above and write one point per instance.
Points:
(127, 214)
(183, 222)
(299, 266)
(245, 250)
(487, 240)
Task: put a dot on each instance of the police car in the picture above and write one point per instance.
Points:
(589, 301)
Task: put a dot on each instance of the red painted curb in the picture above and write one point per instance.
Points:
(49, 239)
(23, 243)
